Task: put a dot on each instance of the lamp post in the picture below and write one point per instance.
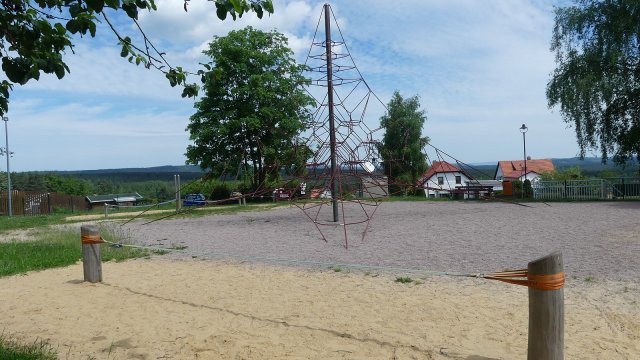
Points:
(6, 133)
(523, 130)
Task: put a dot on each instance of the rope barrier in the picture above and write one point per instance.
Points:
(517, 277)
(97, 239)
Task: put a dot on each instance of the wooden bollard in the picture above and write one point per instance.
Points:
(546, 312)
(91, 260)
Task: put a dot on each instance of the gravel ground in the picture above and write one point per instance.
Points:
(599, 239)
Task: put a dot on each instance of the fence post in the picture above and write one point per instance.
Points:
(91, 260)
(546, 312)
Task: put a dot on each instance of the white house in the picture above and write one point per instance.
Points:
(441, 179)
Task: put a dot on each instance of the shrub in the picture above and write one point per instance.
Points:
(220, 191)
(419, 192)
(528, 190)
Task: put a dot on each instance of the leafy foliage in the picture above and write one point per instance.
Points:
(597, 79)
(402, 143)
(572, 173)
(527, 188)
(253, 109)
(36, 33)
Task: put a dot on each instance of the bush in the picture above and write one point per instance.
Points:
(419, 192)
(528, 189)
(220, 191)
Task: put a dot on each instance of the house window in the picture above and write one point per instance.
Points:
(440, 180)
(458, 179)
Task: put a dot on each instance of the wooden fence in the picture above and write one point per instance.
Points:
(592, 189)
(31, 203)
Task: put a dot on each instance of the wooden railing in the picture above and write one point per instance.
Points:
(40, 203)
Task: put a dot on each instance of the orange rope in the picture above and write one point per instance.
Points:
(91, 239)
(540, 282)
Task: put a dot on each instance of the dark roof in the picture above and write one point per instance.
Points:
(113, 197)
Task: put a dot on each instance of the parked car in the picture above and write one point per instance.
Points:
(194, 200)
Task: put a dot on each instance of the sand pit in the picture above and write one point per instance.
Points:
(180, 307)
(163, 309)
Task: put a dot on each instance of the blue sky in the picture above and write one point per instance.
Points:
(480, 69)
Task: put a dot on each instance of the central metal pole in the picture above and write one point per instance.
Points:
(332, 128)
(8, 153)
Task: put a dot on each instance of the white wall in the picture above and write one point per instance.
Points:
(532, 176)
(449, 183)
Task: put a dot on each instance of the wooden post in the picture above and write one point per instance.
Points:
(176, 182)
(546, 312)
(91, 260)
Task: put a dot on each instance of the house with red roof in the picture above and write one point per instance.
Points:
(509, 170)
(441, 178)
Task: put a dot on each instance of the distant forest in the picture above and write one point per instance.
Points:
(157, 184)
(154, 184)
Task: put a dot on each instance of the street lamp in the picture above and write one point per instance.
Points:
(8, 152)
(523, 130)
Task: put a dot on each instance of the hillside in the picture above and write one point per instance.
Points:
(164, 173)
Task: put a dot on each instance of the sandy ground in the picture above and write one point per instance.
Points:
(199, 304)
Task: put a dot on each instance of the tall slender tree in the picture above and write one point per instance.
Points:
(402, 143)
(253, 109)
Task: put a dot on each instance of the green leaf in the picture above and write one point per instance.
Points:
(92, 29)
(96, 5)
(259, 12)
(268, 5)
(124, 52)
(131, 10)
(114, 4)
(59, 70)
(73, 26)
(60, 28)
(221, 12)
(237, 5)
(15, 71)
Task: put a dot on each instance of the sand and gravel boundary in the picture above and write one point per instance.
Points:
(211, 307)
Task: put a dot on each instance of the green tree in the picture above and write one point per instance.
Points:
(253, 108)
(34, 35)
(67, 185)
(597, 79)
(572, 173)
(402, 143)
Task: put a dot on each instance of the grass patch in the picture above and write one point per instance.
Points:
(11, 349)
(404, 280)
(590, 279)
(56, 248)
(26, 222)
(335, 268)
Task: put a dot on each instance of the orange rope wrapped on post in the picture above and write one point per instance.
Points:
(91, 239)
(540, 282)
